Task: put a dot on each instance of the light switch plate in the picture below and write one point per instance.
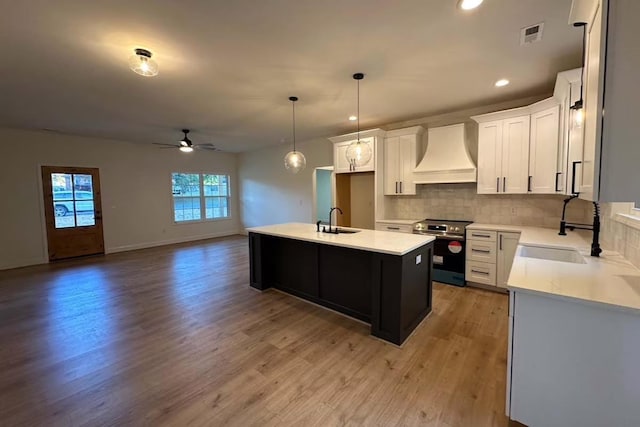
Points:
(418, 259)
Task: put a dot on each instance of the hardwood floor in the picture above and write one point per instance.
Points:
(175, 336)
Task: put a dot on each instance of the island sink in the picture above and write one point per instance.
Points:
(551, 254)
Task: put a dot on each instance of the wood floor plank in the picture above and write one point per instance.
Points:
(175, 336)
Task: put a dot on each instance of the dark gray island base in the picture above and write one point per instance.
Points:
(391, 292)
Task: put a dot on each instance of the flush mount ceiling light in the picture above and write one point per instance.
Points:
(294, 161)
(353, 118)
(358, 152)
(469, 4)
(502, 83)
(141, 63)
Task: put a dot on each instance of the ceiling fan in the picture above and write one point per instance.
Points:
(185, 145)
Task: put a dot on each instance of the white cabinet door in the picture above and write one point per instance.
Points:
(407, 163)
(507, 245)
(340, 163)
(515, 155)
(591, 148)
(543, 151)
(489, 157)
(391, 166)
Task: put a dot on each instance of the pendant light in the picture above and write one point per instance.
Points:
(577, 107)
(358, 152)
(294, 161)
(141, 63)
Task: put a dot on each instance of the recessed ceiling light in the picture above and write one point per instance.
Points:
(469, 4)
(141, 63)
(502, 82)
(353, 118)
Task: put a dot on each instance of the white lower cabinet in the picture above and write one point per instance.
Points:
(572, 363)
(507, 246)
(489, 256)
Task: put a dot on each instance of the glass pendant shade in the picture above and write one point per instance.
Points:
(294, 161)
(141, 63)
(359, 153)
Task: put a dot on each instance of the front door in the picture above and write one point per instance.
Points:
(73, 211)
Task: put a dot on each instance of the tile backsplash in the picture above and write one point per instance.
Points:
(461, 201)
(621, 233)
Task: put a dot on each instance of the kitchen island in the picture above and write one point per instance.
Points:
(379, 277)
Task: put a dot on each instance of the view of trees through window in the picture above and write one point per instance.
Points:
(198, 196)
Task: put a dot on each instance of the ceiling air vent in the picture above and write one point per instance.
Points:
(531, 34)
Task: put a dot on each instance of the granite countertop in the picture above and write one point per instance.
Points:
(608, 280)
(369, 240)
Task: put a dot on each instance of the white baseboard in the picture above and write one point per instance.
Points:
(111, 250)
(24, 263)
(145, 245)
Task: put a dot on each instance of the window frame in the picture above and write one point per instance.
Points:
(203, 207)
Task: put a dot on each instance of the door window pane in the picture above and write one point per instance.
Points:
(64, 214)
(85, 213)
(83, 182)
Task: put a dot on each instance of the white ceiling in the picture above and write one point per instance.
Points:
(227, 67)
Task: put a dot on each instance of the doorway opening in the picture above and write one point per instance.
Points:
(323, 193)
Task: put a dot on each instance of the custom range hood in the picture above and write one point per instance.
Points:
(447, 159)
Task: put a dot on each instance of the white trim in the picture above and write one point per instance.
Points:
(145, 245)
(628, 220)
(27, 262)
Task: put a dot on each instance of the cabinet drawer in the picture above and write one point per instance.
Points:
(487, 236)
(481, 272)
(398, 228)
(481, 251)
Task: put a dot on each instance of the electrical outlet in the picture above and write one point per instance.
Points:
(514, 211)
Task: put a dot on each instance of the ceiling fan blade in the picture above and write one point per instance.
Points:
(210, 147)
(165, 145)
(168, 148)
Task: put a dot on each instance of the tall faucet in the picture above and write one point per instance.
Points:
(595, 227)
(330, 213)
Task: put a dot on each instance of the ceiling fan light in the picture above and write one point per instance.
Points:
(141, 63)
(186, 149)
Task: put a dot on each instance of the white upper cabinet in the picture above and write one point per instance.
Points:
(489, 157)
(544, 175)
(515, 155)
(503, 155)
(518, 150)
(611, 153)
(400, 155)
(567, 93)
(372, 137)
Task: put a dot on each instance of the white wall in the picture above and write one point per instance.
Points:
(270, 194)
(135, 184)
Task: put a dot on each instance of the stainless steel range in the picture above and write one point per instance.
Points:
(449, 248)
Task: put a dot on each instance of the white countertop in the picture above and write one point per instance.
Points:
(369, 240)
(609, 279)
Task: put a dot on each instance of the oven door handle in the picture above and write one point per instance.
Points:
(459, 238)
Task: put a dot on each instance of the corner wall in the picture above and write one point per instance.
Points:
(135, 186)
(270, 194)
